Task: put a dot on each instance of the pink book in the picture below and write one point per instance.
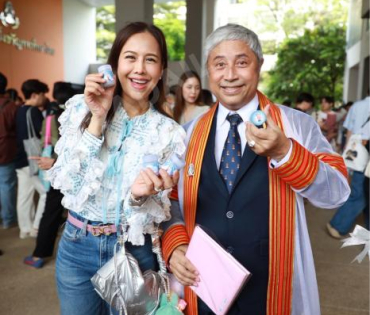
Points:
(221, 275)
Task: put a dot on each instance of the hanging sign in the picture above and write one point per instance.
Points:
(9, 19)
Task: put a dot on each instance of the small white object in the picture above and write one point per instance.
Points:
(108, 75)
(191, 170)
(359, 236)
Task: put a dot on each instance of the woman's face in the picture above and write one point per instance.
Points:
(139, 67)
(191, 90)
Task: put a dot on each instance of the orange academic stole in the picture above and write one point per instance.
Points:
(282, 211)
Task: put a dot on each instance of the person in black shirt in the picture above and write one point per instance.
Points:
(34, 93)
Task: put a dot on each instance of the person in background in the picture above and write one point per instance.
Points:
(247, 185)
(169, 104)
(287, 103)
(327, 120)
(357, 122)
(100, 170)
(13, 95)
(8, 150)
(305, 102)
(52, 216)
(188, 103)
(29, 219)
(207, 97)
(342, 132)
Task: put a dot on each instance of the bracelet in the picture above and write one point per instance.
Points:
(137, 202)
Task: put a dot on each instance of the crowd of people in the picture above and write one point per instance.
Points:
(247, 185)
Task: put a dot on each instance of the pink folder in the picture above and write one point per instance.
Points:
(221, 275)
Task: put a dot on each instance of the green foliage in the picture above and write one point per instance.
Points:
(105, 31)
(168, 17)
(311, 63)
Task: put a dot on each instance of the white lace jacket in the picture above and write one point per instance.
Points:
(83, 158)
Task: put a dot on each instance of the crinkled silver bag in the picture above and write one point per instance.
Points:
(121, 283)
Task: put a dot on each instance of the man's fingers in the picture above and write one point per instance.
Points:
(34, 158)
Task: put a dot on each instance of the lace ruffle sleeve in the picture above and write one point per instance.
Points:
(78, 171)
(169, 139)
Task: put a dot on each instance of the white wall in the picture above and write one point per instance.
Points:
(79, 42)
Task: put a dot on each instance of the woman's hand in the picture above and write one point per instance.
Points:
(44, 163)
(148, 183)
(98, 98)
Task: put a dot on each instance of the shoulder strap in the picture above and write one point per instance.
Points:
(367, 120)
(30, 127)
(48, 132)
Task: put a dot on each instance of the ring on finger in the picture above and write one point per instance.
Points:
(158, 189)
(251, 143)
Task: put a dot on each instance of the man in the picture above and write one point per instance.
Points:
(357, 122)
(246, 185)
(34, 93)
(8, 148)
(305, 103)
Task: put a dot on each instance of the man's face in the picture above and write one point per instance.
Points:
(38, 99)
(233, 73)
(325, 105)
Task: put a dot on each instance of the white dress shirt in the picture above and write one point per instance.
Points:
(223, 127)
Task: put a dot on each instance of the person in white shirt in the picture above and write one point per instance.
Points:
(357, 122)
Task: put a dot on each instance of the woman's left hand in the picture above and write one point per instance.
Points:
(148, 183)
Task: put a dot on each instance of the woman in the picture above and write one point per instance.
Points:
(104, 136)
(188, 104)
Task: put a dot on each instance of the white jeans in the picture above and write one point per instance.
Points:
(27, 185)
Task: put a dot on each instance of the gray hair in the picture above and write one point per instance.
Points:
(233, 32)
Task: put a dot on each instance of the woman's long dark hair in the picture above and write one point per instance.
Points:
(158, 96)
(179, 98)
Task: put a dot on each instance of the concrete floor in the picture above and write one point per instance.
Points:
(344, 286)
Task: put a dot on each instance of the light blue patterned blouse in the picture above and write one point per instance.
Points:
(94, 192)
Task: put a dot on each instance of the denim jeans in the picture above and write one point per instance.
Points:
(346, 215)
(80, 256)
(8, 187)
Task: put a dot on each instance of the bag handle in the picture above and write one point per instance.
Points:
(48, 132)
(30, 127)
(367, 120)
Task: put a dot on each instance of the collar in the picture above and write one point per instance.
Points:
(244, 112)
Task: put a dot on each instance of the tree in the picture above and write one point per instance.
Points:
(311, 63)
(105, 31)
(170, 18)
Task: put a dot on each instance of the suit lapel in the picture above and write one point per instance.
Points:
(247, 160)
(209, 162)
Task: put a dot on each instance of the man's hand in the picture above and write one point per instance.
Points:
(182, 268)
(271, 141)
(43, 163)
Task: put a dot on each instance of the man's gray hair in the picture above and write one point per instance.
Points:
(233, 32)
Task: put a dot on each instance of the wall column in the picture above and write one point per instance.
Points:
(133, 11)
(199, 24)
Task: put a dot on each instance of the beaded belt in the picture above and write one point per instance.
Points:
(95, 230)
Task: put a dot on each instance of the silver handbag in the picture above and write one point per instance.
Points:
(121, 283)
(32, 145)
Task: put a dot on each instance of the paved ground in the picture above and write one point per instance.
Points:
(344, 286)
